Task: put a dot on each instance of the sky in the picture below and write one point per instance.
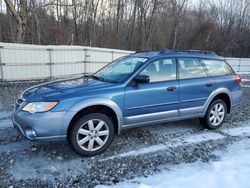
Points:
(2, 6)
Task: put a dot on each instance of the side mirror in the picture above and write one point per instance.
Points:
(141, 79)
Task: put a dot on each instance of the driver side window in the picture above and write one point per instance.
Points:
(160, 70)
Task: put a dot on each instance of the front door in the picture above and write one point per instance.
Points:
(156, 100)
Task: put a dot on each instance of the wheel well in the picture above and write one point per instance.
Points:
(94, 109)
(225, 98)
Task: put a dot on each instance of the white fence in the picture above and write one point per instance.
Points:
(240, 65)
(29, 62)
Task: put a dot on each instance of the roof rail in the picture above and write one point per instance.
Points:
(142, 51)
(188, 51)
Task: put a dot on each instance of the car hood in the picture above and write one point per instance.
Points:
(64, 88)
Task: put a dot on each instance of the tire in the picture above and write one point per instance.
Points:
(91, 134)
(215, 115)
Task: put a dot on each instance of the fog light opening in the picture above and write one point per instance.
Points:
(30, 133)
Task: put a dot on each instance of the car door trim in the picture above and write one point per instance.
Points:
(192, 100)
(152, 105)
(165, 120)
(140, 119)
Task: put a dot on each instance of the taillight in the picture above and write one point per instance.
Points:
(238, 79)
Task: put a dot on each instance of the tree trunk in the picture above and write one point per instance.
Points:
(75, 21)
(12, 33)
(38, 29)
(21, 18)
(117, 23)
(175, 37)
(147, 35)
(133, 26)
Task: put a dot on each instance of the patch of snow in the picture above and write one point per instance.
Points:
(40, 166)
(194, 139)
(191, 139)
(141, 151)
(238, 131)
(232, 171)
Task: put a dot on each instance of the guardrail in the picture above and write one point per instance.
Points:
(30, 62)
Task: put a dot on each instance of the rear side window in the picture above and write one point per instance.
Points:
(217, 68)
(190, 68)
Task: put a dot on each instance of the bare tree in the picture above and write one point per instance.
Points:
(178, 12)
(20, 13)
(222, 26)
(75, 16)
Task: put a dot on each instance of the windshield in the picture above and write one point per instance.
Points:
(119, 70)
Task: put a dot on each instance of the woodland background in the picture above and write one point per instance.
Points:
(222, 26)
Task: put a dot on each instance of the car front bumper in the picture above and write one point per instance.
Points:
(47, 126)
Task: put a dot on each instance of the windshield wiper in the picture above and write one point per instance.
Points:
(103, 79)
(95, 77)
(111, 81)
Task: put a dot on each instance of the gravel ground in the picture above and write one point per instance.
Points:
(30, 164)
(10, 91)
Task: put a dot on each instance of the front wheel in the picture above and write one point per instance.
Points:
(215, 114)
(92, 134)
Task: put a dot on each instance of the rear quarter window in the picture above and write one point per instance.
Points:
(217, 67)
(190, 68)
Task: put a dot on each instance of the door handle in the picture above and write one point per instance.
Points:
(172, 88)
(209, 84)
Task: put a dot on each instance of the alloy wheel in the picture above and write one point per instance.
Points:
(217, 114)
(92, 135)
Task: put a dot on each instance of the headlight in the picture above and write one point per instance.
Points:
(34, 107)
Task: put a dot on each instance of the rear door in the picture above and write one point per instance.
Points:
(195, 86)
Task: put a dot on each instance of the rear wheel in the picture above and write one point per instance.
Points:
(215, 114)
(92, 134)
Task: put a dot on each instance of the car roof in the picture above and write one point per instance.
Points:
(178, 53)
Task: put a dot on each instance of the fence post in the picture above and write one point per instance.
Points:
(1, 64)
(239, 65)
(50, 63)
(112, 55)
(85, 61)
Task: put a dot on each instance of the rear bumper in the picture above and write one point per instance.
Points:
(41, 126)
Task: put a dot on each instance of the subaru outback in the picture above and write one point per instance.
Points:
(139, 89)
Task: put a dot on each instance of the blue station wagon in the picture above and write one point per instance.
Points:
(139, 89)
